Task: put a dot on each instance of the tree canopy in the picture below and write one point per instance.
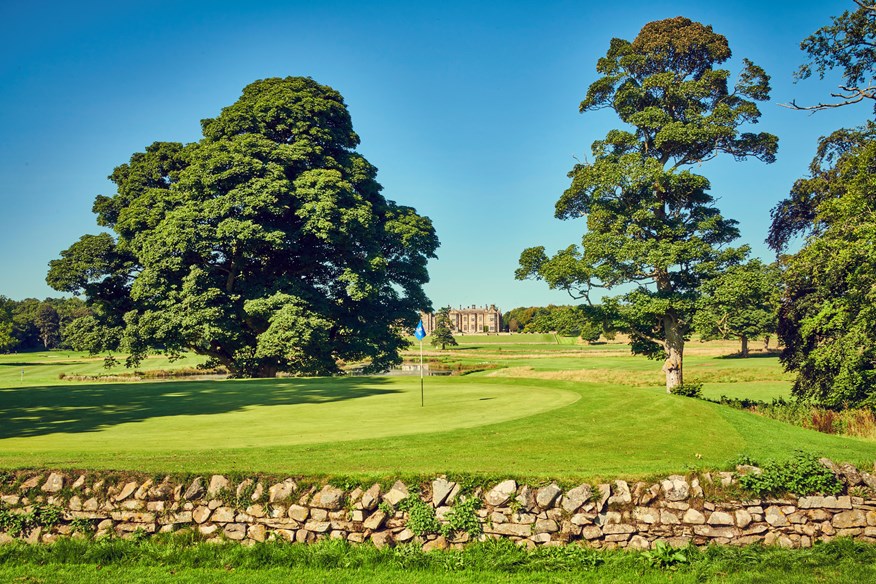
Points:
(267, 245)
(741, 303)
(847, 45)
(826, 322)
(651, 221)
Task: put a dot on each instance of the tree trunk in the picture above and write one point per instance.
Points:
(766, 343)
(674, 346)
(267, 371)
(744, 351)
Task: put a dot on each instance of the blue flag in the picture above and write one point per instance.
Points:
(420, 333)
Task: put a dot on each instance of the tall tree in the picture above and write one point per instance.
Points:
(266, 246)
(7, 340)
(742, 303)
(48, 322)
(651, 221)
(442, 334)
(826, 321)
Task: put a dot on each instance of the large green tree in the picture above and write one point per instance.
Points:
(651, 221)
(827, 324)
(266, 246)
(741, 303)
(7, 340)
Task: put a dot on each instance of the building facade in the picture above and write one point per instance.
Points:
(471, 319)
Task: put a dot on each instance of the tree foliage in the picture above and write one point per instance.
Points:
(827, 322)
(741, 303)
(650, 220)
(266, 246)
(442, 334)
(847, 45)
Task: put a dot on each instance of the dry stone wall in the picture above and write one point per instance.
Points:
(43, 506)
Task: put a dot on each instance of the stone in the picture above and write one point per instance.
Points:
(223, 515)
(546, 496)
(201, 514)
(775, 517)
(371, 498)
(575, 498)
(282, 491)
(637, 542)
(318, 514)
(90, 505)
(328, 497)
(397, 493)
(143, 492)
(54, 483)
(356, 538)
(298, 513)
(511, 529)
(546, 526)
(591, 532)
(646, 515)
(501, 493)
(617, 528)
(127, 490)
(304, 536)
(669, 518)
(256, 532)
(621, 494)
(604, 494)
(439, 543)
(693, 517)
(218, 483)
(196, 490)
(608, 518)
(441, 489)
(743, 518)
(405, 535)
(78, 483)
(497, 517)
(721, 518)
(714, 532)
(851, 474)
(235, 531)
(540, 538)
(675, 488)
(526, 498)
(31, 483)
(580, 519)
(11, 500)
(829, 502)
(318, 526)
(849, 519)
(381, 539)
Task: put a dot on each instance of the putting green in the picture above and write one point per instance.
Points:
(201, 415)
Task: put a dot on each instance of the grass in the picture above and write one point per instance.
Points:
(170, 560)
(366, 426)
(584, 416)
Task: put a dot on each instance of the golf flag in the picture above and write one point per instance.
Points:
(420, 333)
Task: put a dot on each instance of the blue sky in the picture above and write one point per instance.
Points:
(469, 110)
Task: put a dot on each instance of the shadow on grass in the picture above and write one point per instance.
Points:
(758, 355)
(35, 411)
(42, 364)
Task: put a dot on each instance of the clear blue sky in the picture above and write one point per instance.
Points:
(468, 109)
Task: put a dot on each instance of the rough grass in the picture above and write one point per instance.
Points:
(173, 560)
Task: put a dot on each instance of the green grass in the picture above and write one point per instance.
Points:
(337, 562)
(44, 367)
(366, 426)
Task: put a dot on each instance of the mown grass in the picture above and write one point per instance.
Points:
(367, 426)
(176, 560)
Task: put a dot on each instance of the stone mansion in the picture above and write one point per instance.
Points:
(471, 319)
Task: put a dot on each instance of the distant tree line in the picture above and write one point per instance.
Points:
(32, 324)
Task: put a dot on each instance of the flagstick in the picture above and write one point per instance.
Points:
(422, 398)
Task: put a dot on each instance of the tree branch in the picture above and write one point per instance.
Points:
(848, 96)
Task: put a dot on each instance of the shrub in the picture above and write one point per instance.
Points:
(801, 475)
(689, 390)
